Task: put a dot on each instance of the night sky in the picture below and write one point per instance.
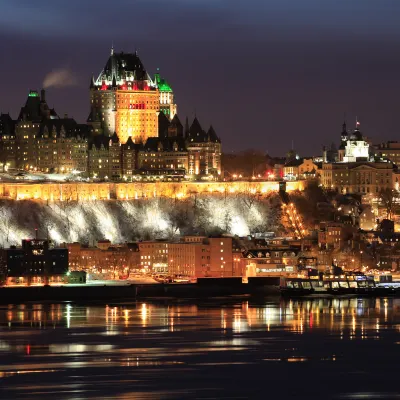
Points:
(263, 72)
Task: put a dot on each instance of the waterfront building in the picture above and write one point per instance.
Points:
(270, 261)
(36, 262)
(191, 256)
(154, 256)
(114, 261)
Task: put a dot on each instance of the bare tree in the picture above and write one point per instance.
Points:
(250, 195)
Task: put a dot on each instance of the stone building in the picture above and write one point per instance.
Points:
(99, 157)
(388, 151)
(27, 128)
(132, 128)
(192, 256)
(357, 171)
(61, 146)
(128, 158)
(204, 150)
(7, 142)
(127, 100)
(104, 258)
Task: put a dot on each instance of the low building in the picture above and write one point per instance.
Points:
(191, 256)
(36, 263)
(112, 261)
(154, 256)
(270, 261)
(334, 235)
(388, 151)
(308, 169)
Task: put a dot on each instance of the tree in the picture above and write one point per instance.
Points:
(249, 195)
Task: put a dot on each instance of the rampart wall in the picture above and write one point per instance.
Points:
(128, 191)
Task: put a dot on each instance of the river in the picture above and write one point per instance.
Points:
(201, 349)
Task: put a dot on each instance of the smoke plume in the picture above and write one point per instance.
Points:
(59, 78)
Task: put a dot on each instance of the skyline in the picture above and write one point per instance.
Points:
(319, 63)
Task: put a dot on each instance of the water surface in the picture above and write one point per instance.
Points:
(213, 349)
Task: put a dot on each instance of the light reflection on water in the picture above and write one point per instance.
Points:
(210, 349)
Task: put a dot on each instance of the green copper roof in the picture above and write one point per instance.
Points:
(162, 84)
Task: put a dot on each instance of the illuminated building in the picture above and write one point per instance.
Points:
(7, 142)
(356, 171)
(27, 128)
(388, 151)
(105, 258)
(357, 177)
(154, 256)
(270, 261)
(192, 256)
(164, 154)
(36, 262)
(127, 101)
(167, 105)
(204, 150)
(334, 235)
(99, 156)
(62, 146)
(353, 146)
(115, 161)
(128, 158)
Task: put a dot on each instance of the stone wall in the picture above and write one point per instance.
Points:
(129, 191)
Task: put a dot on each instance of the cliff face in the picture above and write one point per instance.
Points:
(149, 218)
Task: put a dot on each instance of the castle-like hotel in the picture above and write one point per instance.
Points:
(133, 128)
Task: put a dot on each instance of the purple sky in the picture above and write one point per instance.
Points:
(263, 72)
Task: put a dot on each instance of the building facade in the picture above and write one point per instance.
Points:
(128, 100)
(357, 171)
(36, 262)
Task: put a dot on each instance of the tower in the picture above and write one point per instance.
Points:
(167, 105)
(126, 98)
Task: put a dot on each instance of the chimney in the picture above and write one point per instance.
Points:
(65, 116)
(43, 95)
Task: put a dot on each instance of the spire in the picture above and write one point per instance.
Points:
(344, 126)
(92, 82)
(357, 124)
(187, 127)
(112, 48)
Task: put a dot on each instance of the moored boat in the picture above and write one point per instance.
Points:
(328, 285)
